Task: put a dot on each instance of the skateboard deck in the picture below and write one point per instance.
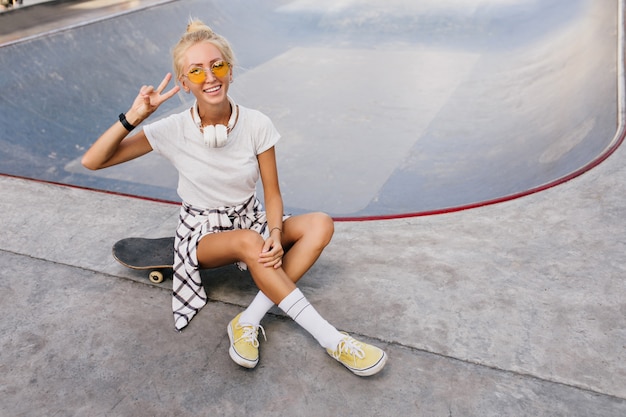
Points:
(141, 253)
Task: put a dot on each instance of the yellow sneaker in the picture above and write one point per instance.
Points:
(244, 345)
(359, 357)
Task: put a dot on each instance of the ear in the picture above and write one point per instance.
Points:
(184, 85)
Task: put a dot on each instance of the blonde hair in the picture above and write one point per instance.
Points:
(198, 32)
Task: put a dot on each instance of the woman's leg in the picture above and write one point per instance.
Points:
(245, 245)
(219, 249)
(304, 238)
(224, 248)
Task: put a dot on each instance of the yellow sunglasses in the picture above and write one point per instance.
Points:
(198, 75)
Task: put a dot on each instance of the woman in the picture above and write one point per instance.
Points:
(220, 149)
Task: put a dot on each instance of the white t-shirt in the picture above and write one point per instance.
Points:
(214, 177)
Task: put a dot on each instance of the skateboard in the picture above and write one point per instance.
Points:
(141, 253)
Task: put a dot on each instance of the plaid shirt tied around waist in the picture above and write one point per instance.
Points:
(194, 223)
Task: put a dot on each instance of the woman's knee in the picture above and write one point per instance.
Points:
(316, 229)
(250, 244)
(323, 226)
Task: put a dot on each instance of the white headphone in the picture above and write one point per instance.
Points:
(216, 136)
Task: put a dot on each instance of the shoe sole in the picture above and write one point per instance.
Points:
(372, 370)
(236, 357)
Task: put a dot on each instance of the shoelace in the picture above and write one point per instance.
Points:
(250, 334)
(351, 347)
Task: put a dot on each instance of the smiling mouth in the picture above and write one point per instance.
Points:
(212, 89)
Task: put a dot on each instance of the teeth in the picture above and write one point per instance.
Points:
(212, 90)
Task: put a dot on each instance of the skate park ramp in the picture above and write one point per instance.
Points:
(386, 109)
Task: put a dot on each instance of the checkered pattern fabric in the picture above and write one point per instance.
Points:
(188, 293)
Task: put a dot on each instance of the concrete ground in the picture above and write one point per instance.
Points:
(514, 309)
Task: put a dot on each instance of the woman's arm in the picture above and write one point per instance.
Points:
(114, 147)
(273, 250)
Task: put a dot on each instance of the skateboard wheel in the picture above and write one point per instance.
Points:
(156, 277)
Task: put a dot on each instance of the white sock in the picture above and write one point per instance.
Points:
(257, 309)
(296, 306)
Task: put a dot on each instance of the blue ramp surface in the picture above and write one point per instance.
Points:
(385, 108)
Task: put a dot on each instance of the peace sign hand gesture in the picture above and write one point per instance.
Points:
(148, 100)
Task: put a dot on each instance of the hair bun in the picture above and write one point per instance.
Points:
(196, 25)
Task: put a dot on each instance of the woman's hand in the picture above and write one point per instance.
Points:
(272, 254)
(148, 100)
